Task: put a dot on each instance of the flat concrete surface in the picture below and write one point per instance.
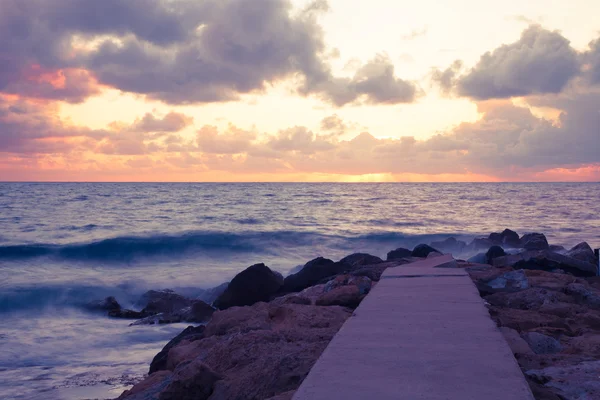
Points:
(422, 333)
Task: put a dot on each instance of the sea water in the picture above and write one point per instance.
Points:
(65, 244)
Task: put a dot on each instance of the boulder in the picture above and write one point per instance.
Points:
(578, 381)
(450, 245)
(198, 312)
(363, 283)
(510, 238)
(399, 253)
(210, 295)
(312, 273)
(583, 252)
(495, 238)
(509, 282)
(127, 314)
(532, 298)
(548, 261)
(584, 294)
(345, 296)
(258, 352)
(479, 244)
(534, 241)
(109, 304)
(159, 362)
(360, 259)
(542, 344)
(480, 258)
(256, 283)
(162, 301)
(423, 250)
(494, 252)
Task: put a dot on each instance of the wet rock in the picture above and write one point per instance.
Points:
(127, 314)
(510, 238)
(495, 238)
(312, 273)
(494, 252)
(256, 283)
(399, 253)
(163, 301)
(307, 296)
(450, 245)
(542, 344)
(360, 259)
(557, 249)
(283, 396)
(191, 333)
(480, 258)
(534, 241)
(260, 351)
(517, 344)
(210, 295)
(548, 261)
(423, 250)
(583, 252)
(479, 244)
(109, 304)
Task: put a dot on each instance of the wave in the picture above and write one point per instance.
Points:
(129, 248)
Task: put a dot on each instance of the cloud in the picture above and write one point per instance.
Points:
(172, 122)
(373, 83)
(416, 33)
(592, 61)
(232, 141)
(179, 52)
(446, 79)
(541, 61)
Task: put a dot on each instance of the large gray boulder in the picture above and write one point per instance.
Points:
(256, 283)
(583, 252)
(312, 273)
(534, 241)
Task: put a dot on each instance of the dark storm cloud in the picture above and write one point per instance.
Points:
(178, 51)
(541, 61)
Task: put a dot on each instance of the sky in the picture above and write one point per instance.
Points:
(299, 90)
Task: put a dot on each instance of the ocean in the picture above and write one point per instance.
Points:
(65, 244)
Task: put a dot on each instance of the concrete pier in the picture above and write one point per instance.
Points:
(422, 333)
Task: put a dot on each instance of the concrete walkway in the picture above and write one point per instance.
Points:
(422, 333)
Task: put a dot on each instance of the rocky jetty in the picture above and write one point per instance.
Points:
(265, 332)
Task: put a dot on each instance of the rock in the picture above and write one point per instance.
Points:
(259, 351)
(312, 273)
(450, 245)
(480, 258)
(192, 380)
(583, 252)
(557, 249)
(494, 252)
(109, 304)
(399, 253)
(517, 344)
(149, 388)
(163, 301)
(256, 283)
(510, 238)
(363, 283)
(198, 312)
(360, 259)
(579, 381)
(542, 344)
(495, 238)
(345, 296)
(210, 295)
(159, 363)
(434, 254)
(423, 250)
(527, 299)
(373, 273)
(584, 294)
(283, 396)
(307, 296)
(509, 282)
(534, 241)
(479, 244)
(127, 314)
(548, 261)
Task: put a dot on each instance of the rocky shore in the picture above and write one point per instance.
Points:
(258, 336)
